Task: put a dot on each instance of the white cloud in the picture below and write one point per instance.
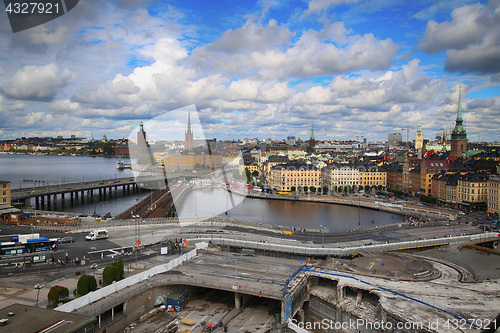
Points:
(37, 83)
(317, 6)
(472, 39)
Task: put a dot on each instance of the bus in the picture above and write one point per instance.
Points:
(28, 246)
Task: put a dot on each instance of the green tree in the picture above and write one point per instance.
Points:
(121, 271)
(292, 188)
(349, 189)
(335, 188)
(86, 284)
(259, 184)
(57, 294)
(248, 175)
(255, 173)
(110, 274)
(340, 189)
(305, 188)
(367, 187)
(312, 189)
(325, 189)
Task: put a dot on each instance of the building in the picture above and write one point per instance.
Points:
(409, 164)
(188, 135)
(494, 195)
(394, 176)
(472, 191)
(339, 175)
(142, 146)
(419, 138)
(5, 192)
(272, 161)
(459, 135)
(290, 140)
(180, 161)
(372, 176)
(288, 177)
(26, 318)
(394, 138)
(428, 169)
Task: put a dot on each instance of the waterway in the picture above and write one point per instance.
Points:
(25, 170)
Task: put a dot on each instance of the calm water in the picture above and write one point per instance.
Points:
(22, 170)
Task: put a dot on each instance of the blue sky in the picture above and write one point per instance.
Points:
(255, 69)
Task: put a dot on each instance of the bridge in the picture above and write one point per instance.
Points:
(43, 195)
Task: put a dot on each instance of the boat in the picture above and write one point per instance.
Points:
(120, 165)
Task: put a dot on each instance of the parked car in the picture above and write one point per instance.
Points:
(67, 240)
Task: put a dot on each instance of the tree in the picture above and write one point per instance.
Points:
(367, 187)
(349, 189)
(255, 173)
(340, 189)
(248, 175)
(57, 294)
(312, 189)
(380, 187)
(119, 265)
(86, 284)
(110, 274)
(325, 189)
(305, 188)
(292, 188)
(335, 188)
(259, 184)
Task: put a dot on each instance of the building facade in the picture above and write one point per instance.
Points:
(339, 175)
(472, 191)
(5, 196)
(494, 195)
(284, 177)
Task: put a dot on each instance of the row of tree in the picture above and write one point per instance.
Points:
(87, 283)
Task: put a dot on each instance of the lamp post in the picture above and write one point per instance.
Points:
(322, 234)
(38, 287)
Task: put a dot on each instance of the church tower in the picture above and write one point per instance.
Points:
(459, 135)
(312, 141)
(188, 135)
(142, 148)
(419, 139)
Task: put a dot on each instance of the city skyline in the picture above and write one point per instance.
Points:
(266, 69)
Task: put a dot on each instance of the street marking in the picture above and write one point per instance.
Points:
(371, 265)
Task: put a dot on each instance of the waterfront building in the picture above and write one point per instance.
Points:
(472, 191)
(394, 176)
(340, 175)
(284, 177)
(428, 169)
(459, 134)
(180, 161)
(272, 161)
(372, 176)
(5, 197)
(415, 177)
(410, 163)
(494, 195)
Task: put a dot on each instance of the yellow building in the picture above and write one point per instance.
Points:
(189, 161)
(284, 177)
(5, 192)
(472, 191)
(372, 176)
(494, 194)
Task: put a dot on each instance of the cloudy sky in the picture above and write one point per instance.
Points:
(265, 69)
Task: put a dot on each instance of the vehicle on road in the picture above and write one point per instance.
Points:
(97, 234)
(67, 240)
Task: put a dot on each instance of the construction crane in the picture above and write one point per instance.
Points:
(357, 137)
(407, 129)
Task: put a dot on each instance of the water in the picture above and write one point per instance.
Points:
(50, 170)
(309, 215)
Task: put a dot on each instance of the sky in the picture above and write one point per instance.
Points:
(255, 69)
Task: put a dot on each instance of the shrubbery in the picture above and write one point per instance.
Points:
(57, 294)
(86, 284)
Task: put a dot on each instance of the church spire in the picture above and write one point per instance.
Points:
(459, 112)
(312, 131)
